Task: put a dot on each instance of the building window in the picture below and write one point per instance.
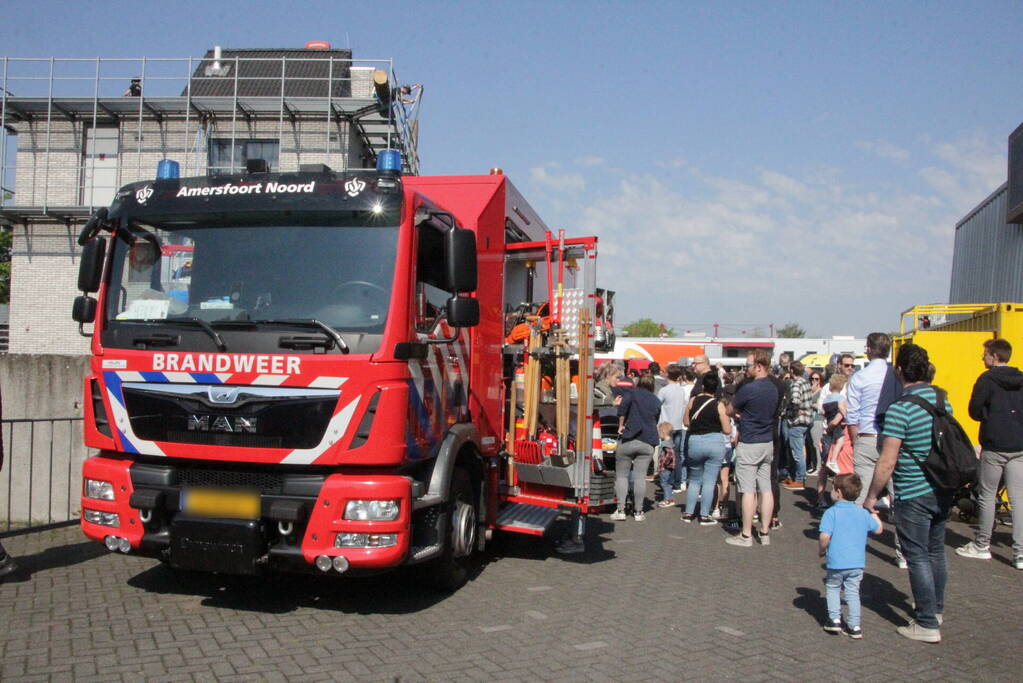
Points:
(227, 156)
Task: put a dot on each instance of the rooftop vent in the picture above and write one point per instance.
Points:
(217, 68)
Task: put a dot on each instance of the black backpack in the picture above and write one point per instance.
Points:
(952, 462)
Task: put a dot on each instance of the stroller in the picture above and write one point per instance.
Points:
(966, 502)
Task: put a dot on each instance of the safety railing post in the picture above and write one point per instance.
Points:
(21, 498)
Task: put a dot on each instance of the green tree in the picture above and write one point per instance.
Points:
(646, 327)
(791, 331)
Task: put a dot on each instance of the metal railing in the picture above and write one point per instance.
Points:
(172, 93)
(41, 477)
(942, 310)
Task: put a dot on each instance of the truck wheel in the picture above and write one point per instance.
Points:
(451, 570)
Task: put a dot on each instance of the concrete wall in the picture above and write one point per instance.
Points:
(41, 477)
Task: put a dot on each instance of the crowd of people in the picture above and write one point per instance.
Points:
(765, 426)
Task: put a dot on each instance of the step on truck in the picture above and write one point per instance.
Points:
(312, 371)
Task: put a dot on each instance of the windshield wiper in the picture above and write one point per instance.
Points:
(299, 322)
(206, 327)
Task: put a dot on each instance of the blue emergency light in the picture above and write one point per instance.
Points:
(389, 160)
(168, 169)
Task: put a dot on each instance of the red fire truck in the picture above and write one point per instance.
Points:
(308, 371)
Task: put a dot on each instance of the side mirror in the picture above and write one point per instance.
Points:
(460, 261)
(90, 270)
(96, 222)
(84, 309)
(463, 311)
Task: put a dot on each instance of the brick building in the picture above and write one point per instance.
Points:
(77, 130)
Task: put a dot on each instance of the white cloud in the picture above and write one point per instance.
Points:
(885, 150)
(834, 253)
(974, 167)
(782, 184)
(565, 182)
(775, 250)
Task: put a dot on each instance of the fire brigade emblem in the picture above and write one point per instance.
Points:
(354, 187)
(143, 195)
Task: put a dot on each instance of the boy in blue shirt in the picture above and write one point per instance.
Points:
(843, 540)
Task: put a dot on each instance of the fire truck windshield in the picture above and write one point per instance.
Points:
(188, 277)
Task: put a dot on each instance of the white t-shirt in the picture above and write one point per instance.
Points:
(673, 403)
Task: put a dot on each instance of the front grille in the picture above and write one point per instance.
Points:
(211, 439)
(264, 482)
(292, 423)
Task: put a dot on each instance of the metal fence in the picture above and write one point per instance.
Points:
(53, 96)
(42, 472)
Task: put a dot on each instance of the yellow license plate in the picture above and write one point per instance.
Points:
(221, 503)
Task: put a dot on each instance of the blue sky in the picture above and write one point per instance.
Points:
(741, 163)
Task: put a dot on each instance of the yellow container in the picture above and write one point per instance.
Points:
(955, 347)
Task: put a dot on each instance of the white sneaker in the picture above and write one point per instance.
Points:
(715, 513)
(683, 487)
(975, 551)
(915, 631)
(900, 561)
(740, 540)
(639, 516)
(618, 516)
(666, 503)
(1017, 562)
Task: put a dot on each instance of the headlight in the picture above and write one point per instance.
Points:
(104, 518)
(347, 540)
(100, 490)
(372, 510)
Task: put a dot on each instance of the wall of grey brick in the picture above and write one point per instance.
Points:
(49, 163)
(41, 478)
(44, 279)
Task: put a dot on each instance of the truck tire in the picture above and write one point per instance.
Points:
(451, 570)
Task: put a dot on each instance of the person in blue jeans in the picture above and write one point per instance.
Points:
(843, 541)
(665, 451)
(707, 421)
(921, 509)
(798, 418)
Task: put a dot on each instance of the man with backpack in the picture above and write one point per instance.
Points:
(997, 403)
(921, 505)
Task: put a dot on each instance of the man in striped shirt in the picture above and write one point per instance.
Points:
(921, 510)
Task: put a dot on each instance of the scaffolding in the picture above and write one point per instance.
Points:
(180, 103)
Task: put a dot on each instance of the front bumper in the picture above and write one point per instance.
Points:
(300, 516)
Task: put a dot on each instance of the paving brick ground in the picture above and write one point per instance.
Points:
(658, 600)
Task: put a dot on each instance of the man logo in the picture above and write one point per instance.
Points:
(143, 195)
(223, 394)
(354, 187)
(221, 423)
